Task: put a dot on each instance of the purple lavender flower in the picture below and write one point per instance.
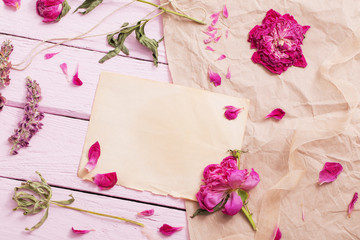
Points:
(2, 102)
(30, 124)
(5, 64)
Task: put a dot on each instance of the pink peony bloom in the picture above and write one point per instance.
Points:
(225, 12)
(330, 172)
(214, 77)
(228, 73)
(93, 155)
(50, 55)
(105, 181)
(277, 234)
(169, 230)
(146, 213)
(13, 3)
(278, 42)
(231, 112)
(81, 231)
(352, 203)
(76, 80)
(277, 113)
(52, 10)
(2, 102)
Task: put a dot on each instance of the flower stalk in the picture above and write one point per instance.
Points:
(248, 215)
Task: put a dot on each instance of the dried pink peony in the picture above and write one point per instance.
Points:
(228, 73)
(76, 80)
(210, 48)
(2, 102)
(232, 112)
(277, 113)
(214, 77)
(105, 181)
(215, 18)
(50, 55)
(277, 234)
(13, 3)
(146, 213)
(52, 10)
(330, 172)
(93, 155)
(278, 42)
(81, 231)
(225, 12)
(168, 230)
(221, 57)
(5, 64)
(352, 203)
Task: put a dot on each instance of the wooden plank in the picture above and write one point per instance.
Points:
(29, 24)
(60, 221)
(60, 96)
(55, 152)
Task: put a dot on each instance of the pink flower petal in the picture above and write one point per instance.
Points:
(237, 177)
(13, 3)
(330, 172)
(225, 12)
(233, 204)
(217, 39)
(63, 67)
(231, 112)
(352, 203)
(93, 155)
(208, 40)
(211, 28)
(211, 33)
(277, 233)
(50, 55)
(302, 213)
(214, 77)
(277, 113)
(222, 56)
(228, 74)
(81, 231)
(105, 181)
(215, 17)
(210, 48)
(227, 33)
(251, 181)
(146, 213)
(168, 230)
(76, 80)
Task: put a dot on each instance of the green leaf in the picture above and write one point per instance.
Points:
(244, 195)
(219, 206)
(110, 54)
(200, 211)
(66, 202)
(65, 9)
(151, 44)
(88, 5)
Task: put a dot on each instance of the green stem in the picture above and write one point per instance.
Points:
(100, 214)
(172, 12)
(249, 217)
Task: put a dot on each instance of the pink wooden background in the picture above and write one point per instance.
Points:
(55, 151)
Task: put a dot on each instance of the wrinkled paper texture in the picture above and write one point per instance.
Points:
(159, 137)
(321, 124)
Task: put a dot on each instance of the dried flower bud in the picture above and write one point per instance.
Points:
(5, 64)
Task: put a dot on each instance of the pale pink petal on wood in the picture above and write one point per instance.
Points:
(168, 230)
(146, 213)
(330, 172)
(93, 155)
(76, 231)
(352, 203)
(64, 68)
(50, 55)
(76, 80)
(277, 113)
(105, 181)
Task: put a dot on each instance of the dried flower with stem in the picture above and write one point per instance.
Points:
(5, 64)
(33, 204)
(30, 124)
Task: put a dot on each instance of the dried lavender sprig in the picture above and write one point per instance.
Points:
(5, 64)
(2, 102)
(30, 124)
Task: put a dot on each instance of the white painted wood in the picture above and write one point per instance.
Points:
(60, 220)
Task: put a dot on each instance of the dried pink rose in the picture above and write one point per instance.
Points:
(225, 12)
(105, 181)
(352, 203)
(232, 112)
(330, 172)
(278, 42)
(222, 56)
(210, 48)
(76, 80)
(169, 230)
(13, 3)
(2, 102)
(277, 113)
(50, 55)
(52, 10)
(93, 155)
(214, 77)
(277, 234)
(228, 73)
(215, 18)
(146, 213)
(81, 231)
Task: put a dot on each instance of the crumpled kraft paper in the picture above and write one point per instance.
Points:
(157, 136)
(322, 121)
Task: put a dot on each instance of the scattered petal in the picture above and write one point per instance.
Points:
(225, 12)
(302, 213)
(277, 113)
(63, 67)
(93, 155)
(13, 3)
(210, 48)
(227, 33)
(50, 55)
(211, 28)
(215, 17)
(169, 230)
(217, 39)
(223, 56)
(277, 233)
(208, 40)
(76, 80)
(233, 204)
(81, 231)
(330, 172)
(228, 74)
(211, 33)
(214, 77)
(146, 213)
(231, 112)
(105, 181)
(351, 205)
